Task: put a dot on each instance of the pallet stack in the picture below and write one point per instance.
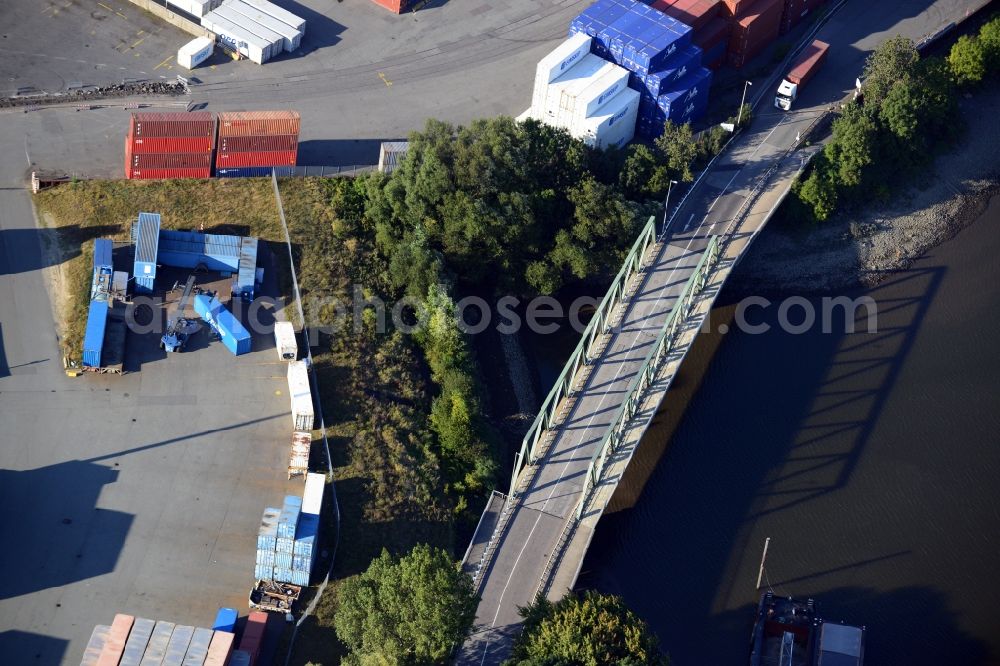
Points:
(170, 145)
(251, 143)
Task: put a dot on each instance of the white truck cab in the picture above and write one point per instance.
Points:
(787, 92)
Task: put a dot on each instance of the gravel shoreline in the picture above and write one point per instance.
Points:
(860, 250)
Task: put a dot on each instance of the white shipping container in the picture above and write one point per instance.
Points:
(303, 416)
(604, 85)
(284, 341)
(195, 52)
(613, 125)
(237, 38)
(312, 495)
(572, 83)
(275, 42)
(292, 37)
(555, 64)
(196, 8)
(528, 113)
(277, 12)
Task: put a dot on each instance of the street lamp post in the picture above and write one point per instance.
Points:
(666, 205)
(739, 114)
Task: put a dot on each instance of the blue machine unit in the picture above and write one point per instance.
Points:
(225, 620)
(244, 172)
(100, 287)
(189, 249)
(246, 276)
(147, 239)
(232, 333)
(93, 339)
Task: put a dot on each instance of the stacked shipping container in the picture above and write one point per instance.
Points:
(251, 142)
(288, 538)
(137, 641)
(170, 145)
(795, 11)
(754, 28)
(253, 638)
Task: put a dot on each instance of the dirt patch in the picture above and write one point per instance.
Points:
(861, 249)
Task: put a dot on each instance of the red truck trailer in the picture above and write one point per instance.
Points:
(807, 64)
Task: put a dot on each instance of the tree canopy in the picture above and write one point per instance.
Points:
(410, 610)
(589, 630)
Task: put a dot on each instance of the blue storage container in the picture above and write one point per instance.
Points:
(263, 572)
(265, 557)
(268, 531)
(225, 620)
(147, 239)
(232, 333)
(244, 172)
(682, 63)
(283, 560)
(93, 339)
(289, 518)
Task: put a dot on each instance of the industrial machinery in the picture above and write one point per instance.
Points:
(179, 328)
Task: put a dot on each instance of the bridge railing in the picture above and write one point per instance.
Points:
(599, 325)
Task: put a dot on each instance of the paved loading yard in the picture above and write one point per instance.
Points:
(139, 493)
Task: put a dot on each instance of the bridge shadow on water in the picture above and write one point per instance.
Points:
(772, 459)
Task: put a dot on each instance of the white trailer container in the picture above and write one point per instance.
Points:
(285, 342)
(312, 495)
(277, 12)
(584, 100)
(195, 52)
(613, 125)
(292, 37)
(238, 38)
(275, 42)
(303, 416)
(555, 65)
(571, 84)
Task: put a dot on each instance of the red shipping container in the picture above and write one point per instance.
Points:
(695, 13)
(171, 161)
(242, 144)
(256, 159)
(736, 8)
(145, 125)
(114, 646)
(796, 11)
(398, 6)
(713, 33)
(258, 123)
(173, 144)
(753, 33)
(253, 635)
(159, 174)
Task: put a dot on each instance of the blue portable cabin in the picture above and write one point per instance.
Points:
(147, 240)
(234, 336)
(225, 620)
(246, 276)
(189, 249)
(93, 339)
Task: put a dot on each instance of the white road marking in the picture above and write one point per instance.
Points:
(724, 189)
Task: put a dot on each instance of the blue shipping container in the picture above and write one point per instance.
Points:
(147, 241)
(239, 658)
(265, 557)
(306, 542)
(232, 333)
(244, 172)
(674, 69)
(93, 339)
(102, 254)
(225, 620)
(299, 577)
(283, 575)
(262, 572)
(283, 560)
(268, 531)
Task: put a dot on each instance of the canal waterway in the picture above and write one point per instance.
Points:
(871, 460)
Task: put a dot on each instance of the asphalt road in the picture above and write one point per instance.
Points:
(513, 574)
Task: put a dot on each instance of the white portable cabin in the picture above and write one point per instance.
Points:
(195, 52)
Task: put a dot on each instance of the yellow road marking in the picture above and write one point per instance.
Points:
(105, 6)
(138, 41)
(165, 61)
(387, 82)
(122, 15)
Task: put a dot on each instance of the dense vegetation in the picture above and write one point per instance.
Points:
(410, 610)
(590, 630)
(908, 113)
